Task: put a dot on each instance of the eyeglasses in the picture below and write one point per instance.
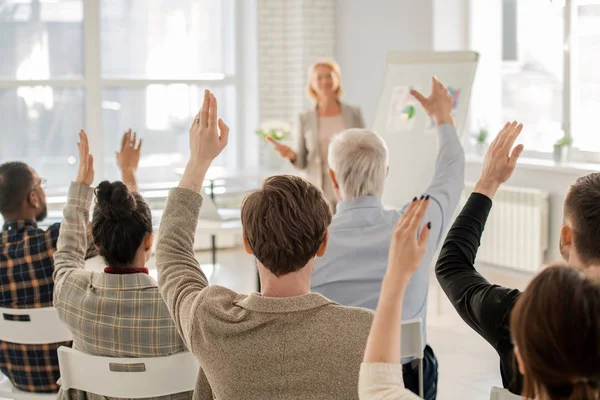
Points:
(41, 183)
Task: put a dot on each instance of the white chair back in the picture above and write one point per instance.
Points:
(30, 326)
(503, 394)
(41, 326)
(411, 345)
(412, 339)
(127, 377)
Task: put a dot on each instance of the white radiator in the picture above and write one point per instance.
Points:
(516, 233)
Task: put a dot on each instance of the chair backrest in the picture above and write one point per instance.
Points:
(411, 343)
(502, 394)
(127, 377)
(32, 326)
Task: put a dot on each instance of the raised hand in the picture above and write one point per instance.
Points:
(500, 162)
(85, 174)
(439, 103)
(129, 156)
(406, 250)
(206, 141)
(208, 137)
(283, 150)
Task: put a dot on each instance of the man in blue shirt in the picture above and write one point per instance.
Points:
(354, 264)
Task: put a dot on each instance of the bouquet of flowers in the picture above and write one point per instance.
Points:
(277, 130)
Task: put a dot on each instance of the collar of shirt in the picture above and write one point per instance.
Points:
(275, 305)
(17, 225)
(360, 202)
(125, 271)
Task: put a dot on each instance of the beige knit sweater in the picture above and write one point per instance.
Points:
(253, 347)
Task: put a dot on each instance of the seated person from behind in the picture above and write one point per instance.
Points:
(285, 342)
(352, 270)
(127, 160)
(487, 307)
(26, 267)
(120, 312)
(381, 374)
(554, 325)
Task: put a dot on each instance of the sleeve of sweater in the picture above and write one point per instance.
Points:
(72, 240)
(483, 306)
(180, 279)
(379, 381)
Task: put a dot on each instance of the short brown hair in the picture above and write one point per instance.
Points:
(582, 206)
(556, 327)
(335, 69)
(285, 222)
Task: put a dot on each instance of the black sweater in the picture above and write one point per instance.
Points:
(483, 306)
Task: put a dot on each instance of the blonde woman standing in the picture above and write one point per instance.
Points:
(319, 124)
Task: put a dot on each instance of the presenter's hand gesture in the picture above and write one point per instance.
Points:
(283, 150)
(129, 156)
(85, 174)
(407, 248)
(439, 103)
(208, 134)
(500, 161)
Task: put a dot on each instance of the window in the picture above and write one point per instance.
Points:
(585, 61)
(544, 73)
(106, 66)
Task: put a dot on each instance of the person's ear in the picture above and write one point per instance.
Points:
(33, 199)
(323, 246)
(520, 361)
(246, 245)
(333, 180)
(148, 241)
(566, 235)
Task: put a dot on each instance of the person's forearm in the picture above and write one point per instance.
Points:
(444, 120)
(448, 179)
(129, 179)
(193, 176)
(383, 344)
(487, 189)
(455, 268)
(72, 239)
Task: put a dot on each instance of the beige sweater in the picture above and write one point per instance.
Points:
(249, 346)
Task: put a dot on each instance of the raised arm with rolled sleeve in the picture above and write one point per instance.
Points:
(72, 240)
(180, 279)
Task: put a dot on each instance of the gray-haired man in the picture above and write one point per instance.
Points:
(353, 267)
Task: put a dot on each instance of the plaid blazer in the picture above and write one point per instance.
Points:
(109, 315)
(26, 267)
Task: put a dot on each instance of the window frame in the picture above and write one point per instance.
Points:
(92, 83)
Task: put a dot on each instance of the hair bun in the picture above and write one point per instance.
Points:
(115, 201)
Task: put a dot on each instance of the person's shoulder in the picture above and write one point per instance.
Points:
(51, 231)
(307, 114)
(356, 315)
(353, 109)
(219, 297)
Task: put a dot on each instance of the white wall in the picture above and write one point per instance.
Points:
(365, 32)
